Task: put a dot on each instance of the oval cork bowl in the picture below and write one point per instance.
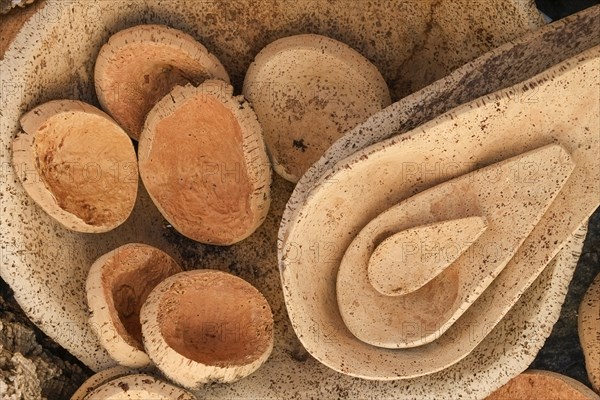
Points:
(203, 161)
(307, 91)
(207, 326)
(71, 76)
(140, 65)
(77, 164)
(537, 384)
(117, 286)
(99, 379)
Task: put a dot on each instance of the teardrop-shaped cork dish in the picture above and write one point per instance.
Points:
(140, 65)
(117, 286)
(307, 91)
(203, 161)
(139, 387)
(77, 164)
(207, 326)
(588, 324)
(359, 188)
(538, 384)
(497, 193)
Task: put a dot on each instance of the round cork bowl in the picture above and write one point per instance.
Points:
(36, 68)
(207, 326)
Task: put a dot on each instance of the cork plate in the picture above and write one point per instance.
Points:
(29, 79)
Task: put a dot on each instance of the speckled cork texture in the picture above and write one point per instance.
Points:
(362, 186)
(307, 91)
(140, 65)
(533, 384)
(588, 325)
(138, 387)
(290, 372)
(99, 379)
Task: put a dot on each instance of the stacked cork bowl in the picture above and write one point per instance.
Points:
(476, 120)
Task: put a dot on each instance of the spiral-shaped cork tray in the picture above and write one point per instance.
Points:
(47, 265)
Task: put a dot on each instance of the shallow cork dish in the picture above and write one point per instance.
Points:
(139, 387)
(588, 324)
(538, 384)
(140, 65)
(99, 379)
(77, 164)
(494, 193)
(117, 286)
(207, 326)
(203, 161)
(307, 91)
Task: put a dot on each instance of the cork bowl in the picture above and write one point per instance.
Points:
(36, 68)
(207, 326)
(117, 286)
(77, 164)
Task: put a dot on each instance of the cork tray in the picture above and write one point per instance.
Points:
(47, 265)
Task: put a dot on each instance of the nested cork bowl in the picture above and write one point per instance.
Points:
(207, 326)
(37, 68)
(117, 286)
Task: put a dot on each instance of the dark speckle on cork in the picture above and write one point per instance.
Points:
(300, 145)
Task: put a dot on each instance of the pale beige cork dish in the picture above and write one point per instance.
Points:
(362, 186)
(139, 387)
(99, 379)
(307, 91)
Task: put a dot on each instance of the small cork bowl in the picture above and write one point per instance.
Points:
(206, 325)
(77, 164)
(203, 161)
(99, 379)
(139, 387)
(140, 65)
(117, 286)
(547, 385)
(307, 91)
